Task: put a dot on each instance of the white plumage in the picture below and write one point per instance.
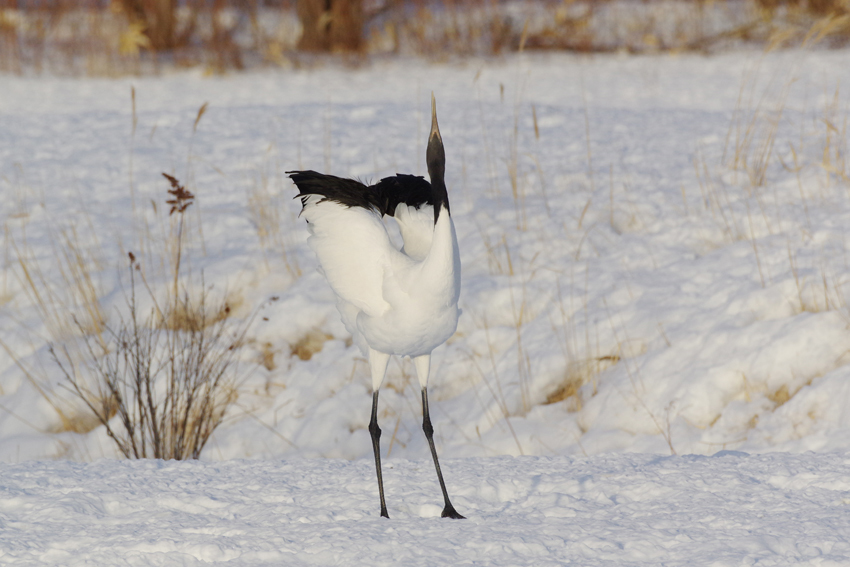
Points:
(396, 302)
(417, 229)
(393, 302)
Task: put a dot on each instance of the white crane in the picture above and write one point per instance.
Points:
(393, 302)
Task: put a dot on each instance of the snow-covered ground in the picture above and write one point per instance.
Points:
(654, 261)
(729, 509)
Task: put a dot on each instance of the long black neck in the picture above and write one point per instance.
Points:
(435, 157)
(441, 198)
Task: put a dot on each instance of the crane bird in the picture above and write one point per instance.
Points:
(393, 302)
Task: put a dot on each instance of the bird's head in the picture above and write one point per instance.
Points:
(435, 157)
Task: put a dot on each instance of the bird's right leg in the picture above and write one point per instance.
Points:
(378, 363)
(423, 368)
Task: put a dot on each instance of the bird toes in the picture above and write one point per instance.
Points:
(450, 512)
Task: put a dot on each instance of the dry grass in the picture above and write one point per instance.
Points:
(749, 152)
(71, 287)
(817, 287)
(266, 211)
(751, 137)
(169, 374)
(192, 313)
(494, 386)
(170, 388)
(580, 344)
(578, 373)
(65, 288)
(311, 343)
(834, 143)
(452, 28)
(780, 396)
(740, 192)
(750, 149)
(182, 305)
(746, 197)
(71, 417)
(134, 36)
(267, 356)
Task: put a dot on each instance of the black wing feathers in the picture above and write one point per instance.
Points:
(348, 192)
(383, 197)
(411, 190)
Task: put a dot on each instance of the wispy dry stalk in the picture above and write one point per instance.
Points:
(755, 247)
(753, 131)
(62, 284)
(43, 387)
(513, 159)
(496, 392)
(583, 358)
(76, 290)
(264, 209)
(135, 123)
(663, 426)
(835, 145)
(587, 136)
(180, 200)
(524, 371)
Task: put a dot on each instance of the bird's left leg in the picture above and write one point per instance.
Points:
(423, 364)
(378, 363)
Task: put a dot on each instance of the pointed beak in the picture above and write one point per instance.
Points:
(435, 128)
(435, 154)
(435, 158)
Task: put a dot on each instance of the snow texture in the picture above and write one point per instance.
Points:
(654, 259)
(729, 509)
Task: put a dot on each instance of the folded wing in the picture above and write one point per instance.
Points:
(410, 200)
(348, 237)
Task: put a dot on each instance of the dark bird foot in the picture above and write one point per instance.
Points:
(450, 512)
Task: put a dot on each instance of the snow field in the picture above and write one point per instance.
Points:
(729, 509)
(615, 263)
(618, 262)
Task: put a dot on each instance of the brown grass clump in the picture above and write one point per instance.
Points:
(81, 420)
(169, 387)
(566, 390)
(784, 394)
(780, 396)
(310, 344)
(577, 375)
(159, 379)
(267, 354)
(194, 315)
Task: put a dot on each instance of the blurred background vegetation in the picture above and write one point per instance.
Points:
(117, 37)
